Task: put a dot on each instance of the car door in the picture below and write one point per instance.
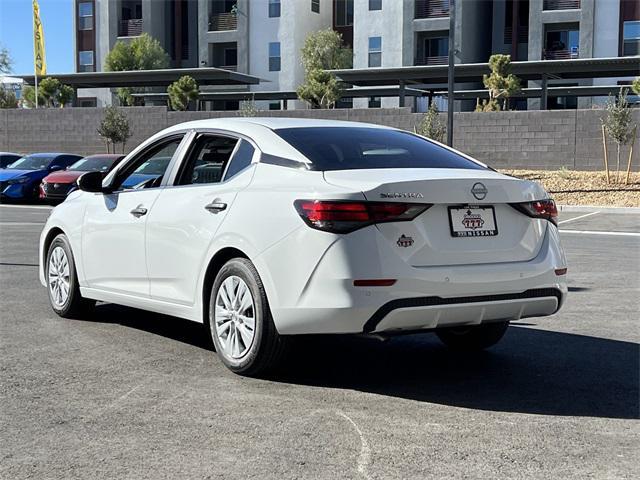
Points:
(187, 215)
(113, 236)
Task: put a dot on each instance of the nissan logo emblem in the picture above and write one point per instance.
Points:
(479, 191)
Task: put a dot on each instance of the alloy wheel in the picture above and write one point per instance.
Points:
(59, 282)
(234, 317)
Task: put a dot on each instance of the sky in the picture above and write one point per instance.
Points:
(16, 34)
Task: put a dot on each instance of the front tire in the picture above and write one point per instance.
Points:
(473, 338)
(62, 281)
(240, 321)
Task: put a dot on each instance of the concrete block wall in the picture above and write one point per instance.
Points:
(529, 139)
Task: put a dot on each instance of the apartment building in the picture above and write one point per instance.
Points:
(264, 37)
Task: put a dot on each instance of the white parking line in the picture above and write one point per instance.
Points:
(38, 207)
(593, 232)
(578, 218)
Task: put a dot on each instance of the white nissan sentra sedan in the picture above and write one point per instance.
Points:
(264, 229)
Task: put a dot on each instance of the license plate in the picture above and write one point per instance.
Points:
(473, 221)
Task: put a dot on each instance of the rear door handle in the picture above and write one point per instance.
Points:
(139, 211)
(215, 207)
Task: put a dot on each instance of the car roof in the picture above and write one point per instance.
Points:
(107, 156)
(10, 153)
(274, 123)
(52, 154)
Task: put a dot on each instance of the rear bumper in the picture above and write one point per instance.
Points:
(422, 297)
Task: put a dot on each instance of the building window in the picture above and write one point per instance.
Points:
(344, 13)
(375, 51)
(274, 8)
(85, 61)
(561, 44)
(315, 6)
(230, 57)
(275, 105)
(85, 16)
(631, 38)
(375, 4)
(87, 102)
(374, 102)
(274, 57)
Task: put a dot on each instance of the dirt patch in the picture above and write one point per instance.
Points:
(569, 187)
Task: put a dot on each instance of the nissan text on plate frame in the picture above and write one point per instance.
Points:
(264, 229)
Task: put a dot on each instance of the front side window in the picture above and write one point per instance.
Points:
(631, 38)
(274, 8)
(315, 6)
(274, 57)
(207, 161)
(375, 51)
(150, 167)
(346, 148)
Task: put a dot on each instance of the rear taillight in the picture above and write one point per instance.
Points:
(344, 216)
(539, 209)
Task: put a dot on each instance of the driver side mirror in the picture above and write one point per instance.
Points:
(91, 182)
(55, 168)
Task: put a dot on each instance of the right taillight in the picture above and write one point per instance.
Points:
(539, 209)
(344, 216)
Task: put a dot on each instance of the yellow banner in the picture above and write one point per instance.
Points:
(39, 58)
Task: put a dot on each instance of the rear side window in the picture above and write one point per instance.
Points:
(241, 159)
(347, 148)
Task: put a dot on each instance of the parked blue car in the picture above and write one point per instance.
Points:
(21, 179)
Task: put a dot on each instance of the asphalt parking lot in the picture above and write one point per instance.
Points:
(129, 394)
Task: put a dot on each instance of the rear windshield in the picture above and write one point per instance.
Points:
(351, 148)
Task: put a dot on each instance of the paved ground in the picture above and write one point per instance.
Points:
(127, 394)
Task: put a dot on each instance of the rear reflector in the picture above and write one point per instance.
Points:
(561, 271)
(539, 209)
(385, 282)
(344, 216)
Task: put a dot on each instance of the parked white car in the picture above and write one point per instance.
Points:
(264, 229)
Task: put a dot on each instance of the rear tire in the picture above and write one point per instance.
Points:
(475, 338)
(62, 281)
(240, 321)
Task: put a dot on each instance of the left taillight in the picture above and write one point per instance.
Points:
(344, 216)
(539, 209)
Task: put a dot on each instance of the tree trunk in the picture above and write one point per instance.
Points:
(617, 161)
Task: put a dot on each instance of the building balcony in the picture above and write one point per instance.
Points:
(432, 8)
(440, 60)
(223, 21)
(560, 54)
(561, 4)
(130, 28)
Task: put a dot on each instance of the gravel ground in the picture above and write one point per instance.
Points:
(570, 187)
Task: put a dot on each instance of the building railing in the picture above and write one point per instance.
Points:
(560, 4)
(523, 34)
(560, 54)
(223, 21)
(440, 60)
(432, 8)
(130, 28)
(233, 68)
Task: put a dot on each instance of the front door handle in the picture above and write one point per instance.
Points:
(139, 211)
(215, 207)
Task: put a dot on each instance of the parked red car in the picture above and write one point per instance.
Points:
(56, 186)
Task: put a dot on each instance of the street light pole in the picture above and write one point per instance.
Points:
(451, 79)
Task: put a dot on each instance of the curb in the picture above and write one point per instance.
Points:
(589, 209)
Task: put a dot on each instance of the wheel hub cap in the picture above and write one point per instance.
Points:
(59, 276)
(234, 317)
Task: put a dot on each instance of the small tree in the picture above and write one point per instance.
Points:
(431, 126)
(8, 98)
(618, 123)
(6, 62)
(182, 92)
(124, 96)
(29, 97)
(322, 51)
(635, 86)
(141, 53)
(49, 87)
(64, 95)
(114, 128)
(249, 108)
(501, 84)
